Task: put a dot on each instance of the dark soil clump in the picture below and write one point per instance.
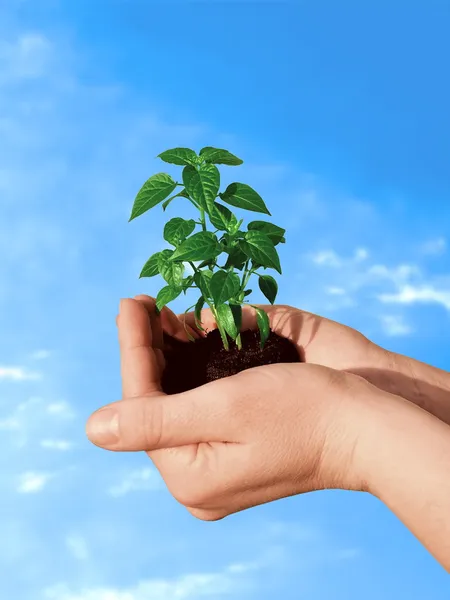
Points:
(192, 364)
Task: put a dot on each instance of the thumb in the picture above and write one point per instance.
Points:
(146, 424)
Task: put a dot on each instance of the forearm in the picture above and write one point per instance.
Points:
(418, 382)
(407, 463)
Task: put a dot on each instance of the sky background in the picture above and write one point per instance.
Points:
(340, 111)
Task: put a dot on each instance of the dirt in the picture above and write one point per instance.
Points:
(192, 364)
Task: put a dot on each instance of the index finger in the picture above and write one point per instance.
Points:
(138, 360)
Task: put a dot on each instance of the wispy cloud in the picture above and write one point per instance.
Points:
(395, 325)
(40, 354)
(61, 409)
(32, 482)
(146, 479)
(361, 281)
(420, 294)
(434, 247)
(77, 546)
(60, 445)
(187, 587)
(25, 57)
(18, 374)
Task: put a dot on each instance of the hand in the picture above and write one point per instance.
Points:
(330, 344)
(264, 434)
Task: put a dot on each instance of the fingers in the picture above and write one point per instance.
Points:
(155, 320)
(154, 423)
(248, 317)
(166, 322)
(139, 364)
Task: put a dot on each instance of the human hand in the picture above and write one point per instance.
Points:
(328, 343)
(263, 434)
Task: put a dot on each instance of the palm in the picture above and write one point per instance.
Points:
(142, 361)
(319, 340)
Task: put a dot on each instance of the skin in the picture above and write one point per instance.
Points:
(352, 416)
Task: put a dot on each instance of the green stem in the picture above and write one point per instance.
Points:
(245, 278)
(222, 331)
(202, 219)
(239, 342)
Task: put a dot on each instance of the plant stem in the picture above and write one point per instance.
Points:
(245, 278)
(239, 342)
(222, 331)
(203, 219)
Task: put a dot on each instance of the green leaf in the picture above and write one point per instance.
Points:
(179, 156)
(202, 185)
(150, 269)
(225, 318)
(181, 194)
(203, 245)
(275, 233)
(187, 282)
(176, 230)
(166, 295)
(202, 280)
(222, 218)
(247, 293)
(261, 250)
(224, 286)
(236, 259)
(263, 325)
(206, 263)
(236, 310)
(154, 191)
(269, 287)
(243, 196)
(198, 313)
(220, 157)
(171, 271)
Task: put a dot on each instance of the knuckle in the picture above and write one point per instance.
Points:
(192, 496)
(207, 515)
(152, 423)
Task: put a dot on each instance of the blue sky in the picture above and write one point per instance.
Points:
(340, 110)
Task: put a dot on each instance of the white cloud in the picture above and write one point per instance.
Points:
(77, 546)
(9, 424)
(330, 258)
(327, 258)
(422, 294)
(348, 553)
(18, 374)
(25, 57)
(397, 275)
(335, 291)
(354, 281)
(28, 419)
(40, 354)
(61, 409)
(435, 247)
(187, 587)
(32, 482)
(145, 479)
(395, 325)
(61, 445)
(361, 254)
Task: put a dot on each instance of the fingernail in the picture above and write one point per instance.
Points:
(103, 427)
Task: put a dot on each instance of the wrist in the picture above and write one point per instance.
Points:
(395, 443)
(421, 384)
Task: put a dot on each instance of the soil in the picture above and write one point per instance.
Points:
(192, 364)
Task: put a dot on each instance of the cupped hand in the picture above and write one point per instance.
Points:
(331, 344)
(263, 434)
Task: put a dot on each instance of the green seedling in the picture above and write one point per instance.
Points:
(212, 252)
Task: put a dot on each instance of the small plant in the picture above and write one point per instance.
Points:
(221, 255)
